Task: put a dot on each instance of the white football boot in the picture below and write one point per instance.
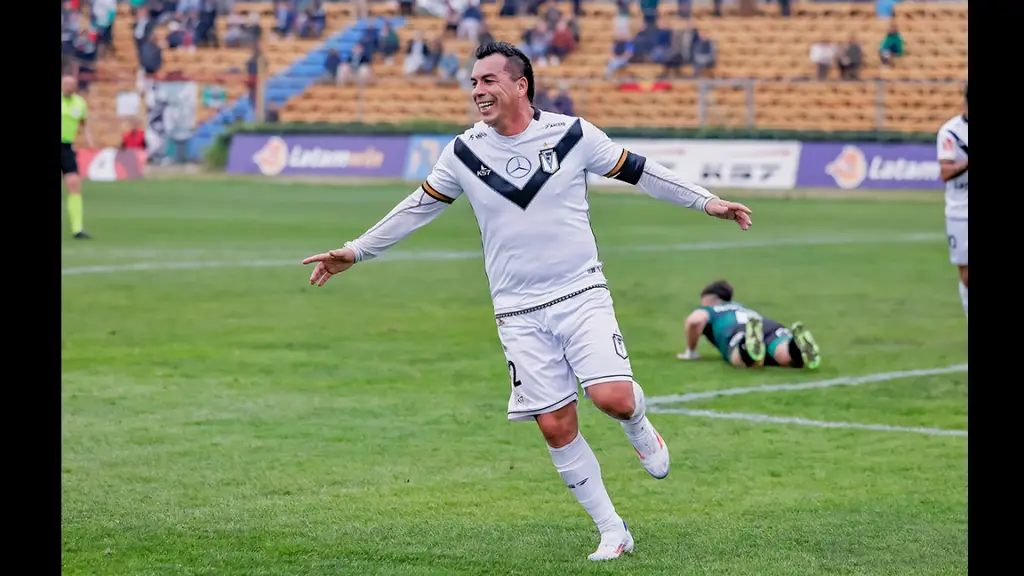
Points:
(613, 545)
(650, 448)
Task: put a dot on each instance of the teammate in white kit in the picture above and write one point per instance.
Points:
(952, 155)
(524, 172)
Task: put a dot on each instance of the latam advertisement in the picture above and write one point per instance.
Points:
(381, 156)
(868, 166)
(764, 164)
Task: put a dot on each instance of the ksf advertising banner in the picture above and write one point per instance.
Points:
(424, 150)
(721, 163)
(110, 164)
(868, 166)
(308, 155)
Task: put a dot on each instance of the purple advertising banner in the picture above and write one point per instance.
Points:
(868, 166)
(318, 155)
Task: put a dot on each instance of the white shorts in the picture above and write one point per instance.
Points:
(554, 350)
(956, 232)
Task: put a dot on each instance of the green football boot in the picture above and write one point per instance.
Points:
(807, 346)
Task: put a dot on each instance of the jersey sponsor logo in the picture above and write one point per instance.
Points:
(518, 167)
(850, 168)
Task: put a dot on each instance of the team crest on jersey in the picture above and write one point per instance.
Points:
(620, 346)
(549, 161)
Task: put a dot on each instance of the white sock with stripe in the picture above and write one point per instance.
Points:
(578, 467)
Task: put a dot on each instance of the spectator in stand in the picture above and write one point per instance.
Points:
(405, 7)
(85, 57)
(452, 18)
(102, 14)
(470, 21)
(485, 36)
(448, 67)
(206, 29)
(252, 29)
(175, 35)
(388, 43)
(235, 35)
(622, 55)
(551, 14)
(892, 46)
(684, 8)
(433, 58)
(563, 101)
(851, 59)
(705, 55)
(651, 44)
(542, 98)
(536, 40)
(680, 52)
(284, 14)
(331, 64)
(823, 55)
(563, 42)
(416, 54)
(315, 20)
(358, 65)
(134, 138)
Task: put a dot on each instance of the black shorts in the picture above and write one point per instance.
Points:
(68, 159)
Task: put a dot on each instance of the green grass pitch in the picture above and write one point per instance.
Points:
(222, 417)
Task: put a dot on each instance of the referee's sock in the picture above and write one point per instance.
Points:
(75, 213)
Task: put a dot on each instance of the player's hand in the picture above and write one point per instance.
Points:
(329, 264)
(729, 211)
(688, 355)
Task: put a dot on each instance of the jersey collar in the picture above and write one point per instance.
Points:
(536, 114)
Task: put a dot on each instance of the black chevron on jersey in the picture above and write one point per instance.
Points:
(959, 142)
(519, 196)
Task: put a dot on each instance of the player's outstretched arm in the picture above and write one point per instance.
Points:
(695, 323)
(614, 161)
(415, 211)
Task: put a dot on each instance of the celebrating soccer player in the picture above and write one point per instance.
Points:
(524, 172)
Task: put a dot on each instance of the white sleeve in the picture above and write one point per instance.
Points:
(946, 145)
(437, 192)
(613, 161)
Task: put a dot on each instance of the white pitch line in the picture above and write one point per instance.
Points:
(847, 381)
(437, 256)
(805, 422)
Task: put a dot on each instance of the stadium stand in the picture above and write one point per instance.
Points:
(762, 75)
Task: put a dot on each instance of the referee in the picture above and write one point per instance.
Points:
(72, 117)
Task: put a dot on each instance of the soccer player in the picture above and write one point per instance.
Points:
(524, 172)
(73, 112)
(952, 154)
(745, 338)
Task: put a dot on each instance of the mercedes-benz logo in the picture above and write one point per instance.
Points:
(518, 167)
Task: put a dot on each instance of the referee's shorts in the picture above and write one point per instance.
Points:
(68, 159)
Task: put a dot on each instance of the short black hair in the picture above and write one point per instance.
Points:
(719, 288)
(517, 64)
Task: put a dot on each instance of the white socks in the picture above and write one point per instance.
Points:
(632, 426)
(963, 296)
(578, 466)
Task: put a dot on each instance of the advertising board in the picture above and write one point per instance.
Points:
(764, 164)
(309, 155)
(868, 166)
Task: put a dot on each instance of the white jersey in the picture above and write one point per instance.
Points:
(952, 145)
(529, 195)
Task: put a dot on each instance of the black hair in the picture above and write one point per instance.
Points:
(517, 64)
(965, 92)
(719, 288)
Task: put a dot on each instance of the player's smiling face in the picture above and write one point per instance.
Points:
(495, 93)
